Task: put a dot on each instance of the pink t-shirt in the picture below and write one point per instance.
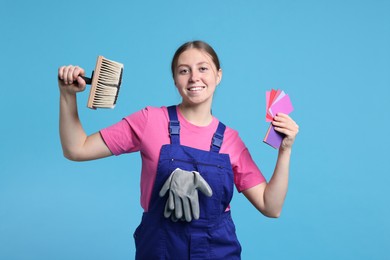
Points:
(147, 130)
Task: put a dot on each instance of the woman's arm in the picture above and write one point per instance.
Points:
(76, 145)
(269, 197)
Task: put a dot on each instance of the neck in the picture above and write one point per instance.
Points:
(197, 115)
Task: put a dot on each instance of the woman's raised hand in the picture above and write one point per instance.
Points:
(69, 80)
(287, 126)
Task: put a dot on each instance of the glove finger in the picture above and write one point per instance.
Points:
(187, 209)
(167, 211)
(178, 207)
(166, 186)
(170, 201)
(202, 185)
(195, 205)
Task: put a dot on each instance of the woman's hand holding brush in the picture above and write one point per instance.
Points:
(70, 79)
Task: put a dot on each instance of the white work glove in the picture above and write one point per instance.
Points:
(183, 201)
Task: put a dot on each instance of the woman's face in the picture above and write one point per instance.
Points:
(196, 77)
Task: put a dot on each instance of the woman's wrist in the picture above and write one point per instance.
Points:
(67, 97)
(285, 150)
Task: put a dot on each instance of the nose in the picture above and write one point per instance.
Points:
(194, 76)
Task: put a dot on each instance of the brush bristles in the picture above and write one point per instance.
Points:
(105, 85)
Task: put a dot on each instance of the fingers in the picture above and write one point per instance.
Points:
(182, 200)
(284, 124)
(167, 211)
(71, 74)
(178, 207)
(187, 210)
(170, 201)
(287, 126)
(195, 207)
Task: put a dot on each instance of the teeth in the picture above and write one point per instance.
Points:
(195, 88)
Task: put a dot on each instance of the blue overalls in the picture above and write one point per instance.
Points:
(213, 235)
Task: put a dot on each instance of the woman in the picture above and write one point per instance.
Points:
(182, 147)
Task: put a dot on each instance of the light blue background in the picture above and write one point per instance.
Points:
(331, 57)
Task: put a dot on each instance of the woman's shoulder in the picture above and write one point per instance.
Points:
(231, 132)
(153, 109)
(232, 137)
(232, 144)
(157, 113)
(149, 112)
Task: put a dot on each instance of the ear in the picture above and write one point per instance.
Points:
(219, 76)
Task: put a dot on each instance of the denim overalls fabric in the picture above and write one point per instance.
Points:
(213, 235)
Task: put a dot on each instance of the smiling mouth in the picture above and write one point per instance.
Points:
(195, 88)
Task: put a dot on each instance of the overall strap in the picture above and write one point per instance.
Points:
(218, 138)
(174, 125)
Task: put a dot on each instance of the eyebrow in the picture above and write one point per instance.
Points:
(200, 63)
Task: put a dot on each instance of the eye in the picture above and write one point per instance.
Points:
(203, 69)
(183, 71)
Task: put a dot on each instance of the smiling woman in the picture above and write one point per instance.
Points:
(196, 78)
(190, 161)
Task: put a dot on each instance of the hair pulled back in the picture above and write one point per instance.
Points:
(199, 45)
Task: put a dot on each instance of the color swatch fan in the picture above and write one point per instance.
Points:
(277, 101)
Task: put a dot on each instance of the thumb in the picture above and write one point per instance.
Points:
(166, 186)
(202, 185)
(81, 83)
(78, 73)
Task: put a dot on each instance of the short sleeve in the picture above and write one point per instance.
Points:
(246, 172)
(126, 135)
